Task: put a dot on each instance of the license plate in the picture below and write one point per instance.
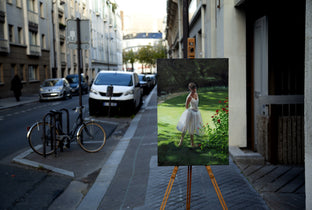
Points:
(112, 104)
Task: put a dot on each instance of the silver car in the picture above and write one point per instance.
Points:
(57, 88)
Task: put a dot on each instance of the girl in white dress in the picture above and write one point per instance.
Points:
(190, 119)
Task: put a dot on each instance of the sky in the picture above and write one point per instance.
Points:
(143, 15)
(145, 7)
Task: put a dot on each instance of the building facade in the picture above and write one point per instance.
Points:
(106, 50)
(269, 59)
(24, 48)
(33, 40)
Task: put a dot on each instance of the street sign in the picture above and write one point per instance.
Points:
(84, 31)
(72, 34)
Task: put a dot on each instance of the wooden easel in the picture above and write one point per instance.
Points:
(189, 184)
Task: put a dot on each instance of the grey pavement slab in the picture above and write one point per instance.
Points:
(236, 191)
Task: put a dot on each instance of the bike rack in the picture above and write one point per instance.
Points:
(52, 132)
(55, 116)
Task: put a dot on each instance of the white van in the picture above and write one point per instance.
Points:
(126, 95)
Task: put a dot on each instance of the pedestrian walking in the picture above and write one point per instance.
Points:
(190, 119)
(16, 87)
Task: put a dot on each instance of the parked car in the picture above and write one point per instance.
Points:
(152, 79)
(126, 95)
(144, 84)
(73, 80)
(57, 88)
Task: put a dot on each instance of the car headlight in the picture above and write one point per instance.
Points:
(94, 91)
(130, 92)
(41, 89)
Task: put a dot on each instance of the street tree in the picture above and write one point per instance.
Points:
(148, 55)
(129, 57)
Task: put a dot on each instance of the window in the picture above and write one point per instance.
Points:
(33, 72)
(41, 10)
(20, 35)
(19, 3)
(31, 5)
(21, 72)
(43, 41)
(1, 74)
(11, 33)
(32, 38)
(1, 31)
(13, 70)
(46, 72)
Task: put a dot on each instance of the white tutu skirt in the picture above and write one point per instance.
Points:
(190, 121)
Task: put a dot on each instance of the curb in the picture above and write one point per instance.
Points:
(20, 160)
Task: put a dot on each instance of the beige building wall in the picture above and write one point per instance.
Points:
(234, 32)
(224, 36)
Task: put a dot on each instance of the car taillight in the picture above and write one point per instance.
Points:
(28, 128)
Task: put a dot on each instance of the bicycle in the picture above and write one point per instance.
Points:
(90, 135)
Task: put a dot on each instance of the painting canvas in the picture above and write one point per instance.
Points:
(192, 112)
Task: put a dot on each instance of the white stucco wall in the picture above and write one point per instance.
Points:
(234, 32)
(308, 105)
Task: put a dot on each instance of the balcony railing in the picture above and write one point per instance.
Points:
(33, 17)
(4, 46)
(35, 50)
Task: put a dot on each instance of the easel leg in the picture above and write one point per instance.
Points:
(216, 187)
(169, 187)
(189, 186)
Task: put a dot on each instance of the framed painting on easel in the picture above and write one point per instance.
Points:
(192, 112)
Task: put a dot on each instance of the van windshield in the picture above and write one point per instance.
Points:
(114, 79)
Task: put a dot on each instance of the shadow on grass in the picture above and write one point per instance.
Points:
(170, 154)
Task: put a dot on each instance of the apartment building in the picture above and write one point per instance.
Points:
(24, 46)
(106, 48)
(33, 40)
(268, 44)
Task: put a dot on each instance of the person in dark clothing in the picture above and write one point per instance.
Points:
(16, 87)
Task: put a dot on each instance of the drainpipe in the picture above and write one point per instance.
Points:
(185, 27)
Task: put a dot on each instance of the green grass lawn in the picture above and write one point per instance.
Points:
(169, 113)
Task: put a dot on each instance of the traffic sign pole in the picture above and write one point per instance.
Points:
(79, 68)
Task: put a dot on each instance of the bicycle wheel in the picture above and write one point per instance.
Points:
(35, 138)
(91, 137)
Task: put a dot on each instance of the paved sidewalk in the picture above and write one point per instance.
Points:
(11, 101)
